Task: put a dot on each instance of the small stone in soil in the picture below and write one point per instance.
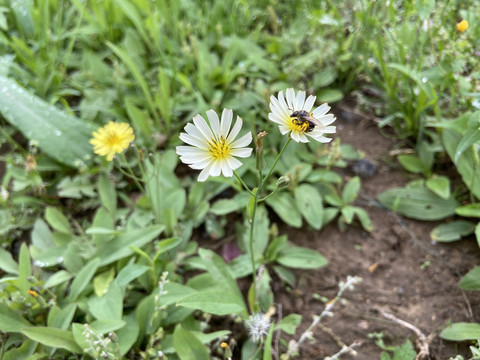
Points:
(364, 168)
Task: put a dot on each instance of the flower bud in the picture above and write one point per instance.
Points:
(283, 181)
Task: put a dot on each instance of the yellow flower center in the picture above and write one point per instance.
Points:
(219, 148)
(113, 139)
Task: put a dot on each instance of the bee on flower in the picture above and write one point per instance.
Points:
(112, 139)
(212, 146)
(294, 115)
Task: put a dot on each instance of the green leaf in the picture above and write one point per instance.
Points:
(227, 206)
(102, 281)
(41, 235)
(466, 163)
(471, 137)
(440, 185)
(62, 136)
(59, 277)
(364, 218)
(461, 331)
(404, 352)
(284, 205)
(61, 318)
(267, 350)
(7, 263)
(301, 258)
(413, 164)
(310, 204)
(127, 335)
(119, 247)
(23, 352)
(83, 278)
(109, 306)
(219, 271)
(130, 273)
(329, 95)
(470, 210)
(217, 302)
(57, 220)
(350, 190)
(53, 337)
(108, 194)
(289, 323)
(10, 321)
(452, 231)
(260, 232)
(188, 346)
(107, 325)
(24, 269)
(471, 280)
(418, 203)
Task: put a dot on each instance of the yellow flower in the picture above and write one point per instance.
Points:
(462, 26)
(112, 139)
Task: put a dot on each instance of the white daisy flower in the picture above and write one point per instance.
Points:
(214, 146)
(293, 114)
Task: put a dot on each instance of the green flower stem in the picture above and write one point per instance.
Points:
(254, 211)
(243, 183)
(269, 195)
(130, 172)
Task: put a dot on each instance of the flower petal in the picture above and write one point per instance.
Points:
(226, 123)
(309, 103)
(320, 111)
(300, 100)
(214, 122)
(235, 130)
(243, 141)
(243, 152)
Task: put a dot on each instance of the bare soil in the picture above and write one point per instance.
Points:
(404, 273)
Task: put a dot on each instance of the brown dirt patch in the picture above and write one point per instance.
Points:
(425, 296)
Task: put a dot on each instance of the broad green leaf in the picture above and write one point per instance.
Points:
(310, 204)
(301, 258)
(284, 205)
(23, 352)
(465, 164)
(58, 278)
(477, 233)
(424, 8)
(75, 188)
(452, 231)
(110, 305)
(108, 194)
(412, 163)
(102, 281)
(127, 335)
(219, 271)
(7, 263)
(53, 337)
(41, 235)
(326, 176)
(350, 190)
(62, 136)
(363, 218)
(471, 280)
(470, 210)
(226, 206)
(188, 346)
(24, 269)
(119, 247)
(83, 278)
(289, 323)
(217, 302)
(107, 325)
(418, 203)
(57, 220)
(329, 95)
(461, 331)
(174, 293)
(404, 352)
(61, 318)
(471, 137)
(130, 273)
(260, 232)
(138, 118)
(11, 321)
(440, 185)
